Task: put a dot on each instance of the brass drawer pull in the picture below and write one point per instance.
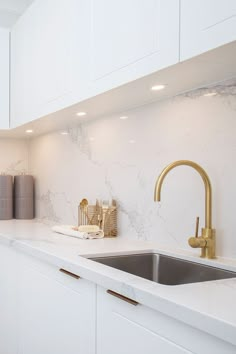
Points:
(69, 273)
(122, 297)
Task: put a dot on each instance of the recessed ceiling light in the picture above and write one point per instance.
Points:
(123, 117)
(81, 114)
(64, 133)
(158, 87)
(210, 94)
(29, 131)
(131, 141)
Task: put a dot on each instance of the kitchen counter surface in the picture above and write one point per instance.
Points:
(208, 306)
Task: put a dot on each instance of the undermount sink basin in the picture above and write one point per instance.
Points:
(164, 269)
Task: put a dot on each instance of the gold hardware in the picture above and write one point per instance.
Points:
(122, 297)
(196, 242)
(207, 240)
(103, 215)
(83, 207)
(197, 226)
(75, 276)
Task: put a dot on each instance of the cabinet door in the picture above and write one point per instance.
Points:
(57, 312)
(50, 49)
(126, 329)
(123, 328)
(131, 39)
(8, 301)
(4, 78)
(206, 24)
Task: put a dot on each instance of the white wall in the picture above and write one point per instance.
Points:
(121, 159)
(13, 156)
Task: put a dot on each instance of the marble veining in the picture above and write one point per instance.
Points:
(78, 136)
(46, 203)
(14, 156)
(225, 88)
(121, 159)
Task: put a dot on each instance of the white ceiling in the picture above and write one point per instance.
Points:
(10, 10)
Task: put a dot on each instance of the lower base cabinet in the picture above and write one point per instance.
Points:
(8, 300)
(123, 328)
(47, 310)
(56, 312)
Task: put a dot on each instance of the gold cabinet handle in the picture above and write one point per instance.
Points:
(75, 276)
(122, 297)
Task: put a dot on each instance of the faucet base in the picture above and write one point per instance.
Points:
(209, 250)
(206, 242)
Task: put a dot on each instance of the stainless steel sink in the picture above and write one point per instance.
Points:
(164, 269)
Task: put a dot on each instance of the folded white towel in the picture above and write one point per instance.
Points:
(70, 230)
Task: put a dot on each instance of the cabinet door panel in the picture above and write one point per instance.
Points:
(128, 337)
(78, 51)
(131, 39)
(56, 316)
(8, 301)
(126, 329)
(206, 24)
(119, 39)
(4, 78)
(50, 54)
(38, 59)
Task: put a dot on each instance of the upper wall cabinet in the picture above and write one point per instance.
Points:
(65, 51)
(49, 57)
(4, 78)
(131, 39)
(206, 24)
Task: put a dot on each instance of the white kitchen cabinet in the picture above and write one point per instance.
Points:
(206, 24)
(63, 52)
(123, 328)
(131, 39)
(49, 58)
(4, 78)
(8, 301)
(56, 311)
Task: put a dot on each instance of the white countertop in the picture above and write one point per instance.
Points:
(208, 306)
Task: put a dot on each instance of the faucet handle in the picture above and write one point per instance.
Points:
(197, 227)
(196, 241)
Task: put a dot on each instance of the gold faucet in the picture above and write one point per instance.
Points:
(207, 240)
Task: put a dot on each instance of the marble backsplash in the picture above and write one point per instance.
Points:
(121, 159)
(13, 156)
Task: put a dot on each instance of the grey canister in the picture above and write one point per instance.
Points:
(6, 197)
(24, 197)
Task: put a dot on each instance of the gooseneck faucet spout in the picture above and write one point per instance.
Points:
(206, 180)
(207, 241)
